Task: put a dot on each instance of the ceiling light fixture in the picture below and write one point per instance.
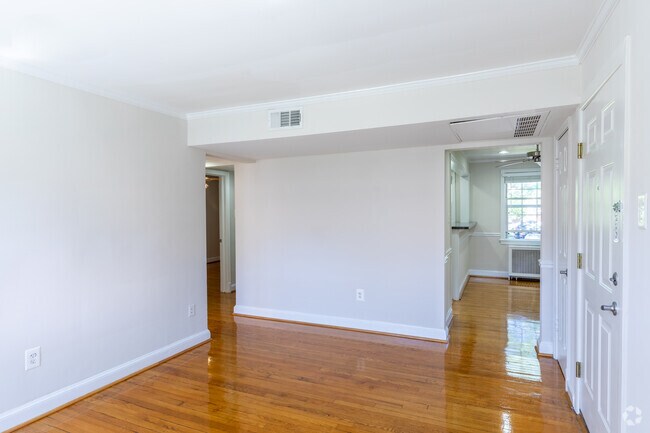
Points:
(503, 152)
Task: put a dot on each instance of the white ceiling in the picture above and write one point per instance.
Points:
(192, 56)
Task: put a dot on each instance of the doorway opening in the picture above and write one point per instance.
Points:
(494, 234)
(220, 242)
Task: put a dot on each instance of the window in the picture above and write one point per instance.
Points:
(522, 206)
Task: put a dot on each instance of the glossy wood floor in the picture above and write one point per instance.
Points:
(262, 376)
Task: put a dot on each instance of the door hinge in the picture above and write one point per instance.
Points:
(580, 147)
(578, 370)
(579, 263)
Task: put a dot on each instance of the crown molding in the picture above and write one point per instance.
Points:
(84, 87)
(543, 65)
(595, 28)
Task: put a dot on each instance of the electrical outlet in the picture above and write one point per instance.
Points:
(361, 295)
(32, 358)
(191, 310)
(642, 217)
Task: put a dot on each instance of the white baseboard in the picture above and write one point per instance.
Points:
(545, 347)
(213, 259)
(487, 273)
(344, 322)
(461, 289)
(449, 318)
(42, 405)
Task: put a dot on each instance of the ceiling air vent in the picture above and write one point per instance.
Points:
(285, 119)
(526, 126)
(501, 127)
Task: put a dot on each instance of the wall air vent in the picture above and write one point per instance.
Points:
(285, 119)
(526, 126)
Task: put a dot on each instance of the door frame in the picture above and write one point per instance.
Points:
(226, 228)
(546, 342)
(620, 59)
(565, 130)
(570, 128)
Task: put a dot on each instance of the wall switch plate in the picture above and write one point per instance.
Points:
(361, 295)
(191, 310)
(32, 358)
(642, 208)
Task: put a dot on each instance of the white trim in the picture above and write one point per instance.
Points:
(520, 242)
(516, 172)
(88, 88)
(628, 193)
(58, 398)
(506, 71)
(487, 273)
(595, 28)
(213, 259)
(545, 347)
(486, 235)
(546, 264)
(344, 322)
(449, 318)
(460, 290)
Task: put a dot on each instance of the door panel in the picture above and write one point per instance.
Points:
(605, 374)
(589, 371)
(604, 120)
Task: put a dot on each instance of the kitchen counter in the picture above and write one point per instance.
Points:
(458, 225)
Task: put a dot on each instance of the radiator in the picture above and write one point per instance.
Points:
(523, 262)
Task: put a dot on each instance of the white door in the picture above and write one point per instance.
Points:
(603, 123)
(562, 248)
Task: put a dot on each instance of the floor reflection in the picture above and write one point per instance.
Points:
(262, 377)
(521, 357)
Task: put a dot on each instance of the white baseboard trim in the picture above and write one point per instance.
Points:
(213, 259)
(344, 322)
(485, 235)
(461, 289)
(487, 273)
(449, 318)
(545, 347)
(53, 400)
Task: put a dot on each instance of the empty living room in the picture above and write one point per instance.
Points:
(324, 216)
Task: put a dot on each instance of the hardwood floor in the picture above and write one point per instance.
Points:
(262, 376)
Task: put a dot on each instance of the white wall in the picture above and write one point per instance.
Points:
(102, 246)
(312, 230)
(487, 254)
(459, 238)
(631, 18)
(460, 246)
